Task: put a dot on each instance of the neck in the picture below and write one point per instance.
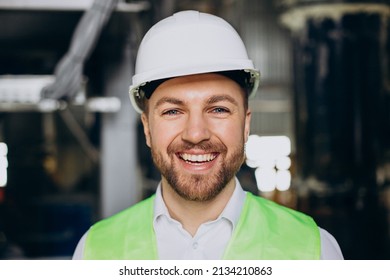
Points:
(191, 214)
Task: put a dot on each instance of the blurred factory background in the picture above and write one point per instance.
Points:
(72, 149)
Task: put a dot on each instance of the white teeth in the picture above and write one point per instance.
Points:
(198, 158)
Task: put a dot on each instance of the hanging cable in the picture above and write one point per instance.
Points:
(69, 70)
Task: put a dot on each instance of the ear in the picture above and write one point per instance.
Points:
(247, 124)
(145, 123)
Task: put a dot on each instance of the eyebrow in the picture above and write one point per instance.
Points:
(170, 100)
(218, 98)
(212, 100)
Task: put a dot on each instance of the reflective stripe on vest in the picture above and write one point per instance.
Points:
(265, 230)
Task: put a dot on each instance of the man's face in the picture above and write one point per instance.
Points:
(196, 127)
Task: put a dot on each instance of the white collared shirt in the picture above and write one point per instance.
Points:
(211, 239)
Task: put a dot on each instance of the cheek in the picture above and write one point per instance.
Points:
(230, 133)
(162, 134)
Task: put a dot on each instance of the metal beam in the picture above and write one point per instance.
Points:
(68, 5)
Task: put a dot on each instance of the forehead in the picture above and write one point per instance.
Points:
(197, 87)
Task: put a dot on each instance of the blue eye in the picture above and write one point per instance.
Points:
(172, 112)
(220, 110)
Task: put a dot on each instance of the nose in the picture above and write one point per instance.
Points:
(196, 129)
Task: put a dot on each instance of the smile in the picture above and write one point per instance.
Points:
(191, 158)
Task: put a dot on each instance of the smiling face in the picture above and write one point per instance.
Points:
(196, 127)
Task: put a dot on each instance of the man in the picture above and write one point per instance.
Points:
(192, 82)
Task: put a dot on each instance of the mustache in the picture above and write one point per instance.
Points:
(206, 146)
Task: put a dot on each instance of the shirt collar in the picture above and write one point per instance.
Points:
(231, 211)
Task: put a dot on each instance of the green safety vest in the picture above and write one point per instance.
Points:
(265, 230)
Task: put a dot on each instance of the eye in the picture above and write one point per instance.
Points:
(171, 112)
(220, 110)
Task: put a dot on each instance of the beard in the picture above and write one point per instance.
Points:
(199, 187)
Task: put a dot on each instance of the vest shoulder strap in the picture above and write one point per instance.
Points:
(126, 235)
(267, 230)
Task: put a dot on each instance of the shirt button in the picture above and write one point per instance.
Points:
(195, 245)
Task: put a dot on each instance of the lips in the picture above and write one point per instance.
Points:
(197, 158)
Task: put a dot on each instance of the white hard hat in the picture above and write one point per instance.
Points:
(187, 43)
